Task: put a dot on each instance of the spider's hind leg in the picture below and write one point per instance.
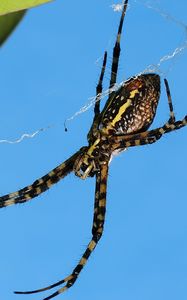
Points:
(150, 136)
(146, 137)
(97, 230)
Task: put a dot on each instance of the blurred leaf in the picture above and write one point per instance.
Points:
(8, 24)
(8, 6)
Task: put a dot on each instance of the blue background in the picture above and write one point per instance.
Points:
(49, 69)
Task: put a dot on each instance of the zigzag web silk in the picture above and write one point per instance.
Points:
(150, 68)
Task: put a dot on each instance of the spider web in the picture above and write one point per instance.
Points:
(152, 68)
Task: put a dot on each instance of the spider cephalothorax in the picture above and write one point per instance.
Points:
(88, 162)
(123, 123)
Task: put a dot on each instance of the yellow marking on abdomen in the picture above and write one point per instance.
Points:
(121, 111)
(133, 93)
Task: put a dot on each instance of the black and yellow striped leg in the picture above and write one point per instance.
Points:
(151, 136)
(99, 89)
(117, 49)
(97, 230)
(172, 116)
(147, 137)
(40, 185)
(114, 69)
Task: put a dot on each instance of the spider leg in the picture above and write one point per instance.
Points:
(116, 49)
(172, 116)
(114, 69)
(147, 137)
(151, 136)
(40, 185)
(97, 230)
(99, 88)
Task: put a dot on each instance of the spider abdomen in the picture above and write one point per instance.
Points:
(132, 108)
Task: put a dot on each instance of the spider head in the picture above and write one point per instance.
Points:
(85, 166)
(90, 159)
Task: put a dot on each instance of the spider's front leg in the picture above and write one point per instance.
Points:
(97, 230)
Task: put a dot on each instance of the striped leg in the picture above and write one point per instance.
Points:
(40, 185)
(147, 137)
(151, 136)
(97, 230)
(117, 49)
(114, 69)
(99, 89)
(172, 116)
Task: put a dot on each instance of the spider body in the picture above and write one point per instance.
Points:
(123, 123)
(130, 109)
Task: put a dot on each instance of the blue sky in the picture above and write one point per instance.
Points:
(49, 69)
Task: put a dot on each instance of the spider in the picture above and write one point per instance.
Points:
(123, 123)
